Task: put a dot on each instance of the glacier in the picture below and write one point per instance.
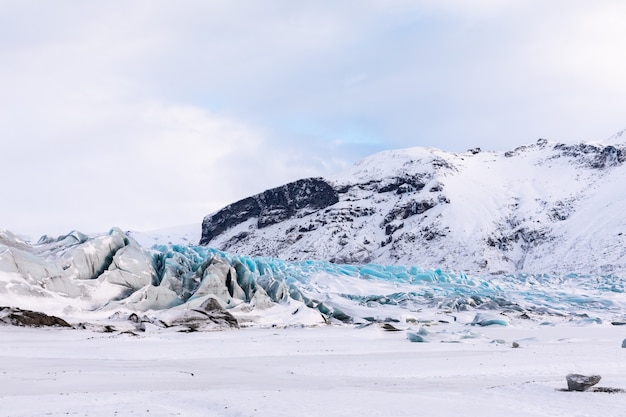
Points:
(91, 278)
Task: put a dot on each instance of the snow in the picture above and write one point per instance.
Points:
(323, 371)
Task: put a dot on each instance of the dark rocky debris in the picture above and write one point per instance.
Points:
(390, 328)
(26, 318)
(214, 312)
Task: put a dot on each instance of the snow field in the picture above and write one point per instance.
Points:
(322, 371)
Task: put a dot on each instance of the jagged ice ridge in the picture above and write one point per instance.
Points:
(90, 278)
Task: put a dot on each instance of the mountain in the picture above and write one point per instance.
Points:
(546, 207)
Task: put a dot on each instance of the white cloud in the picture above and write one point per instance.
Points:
(153, 113)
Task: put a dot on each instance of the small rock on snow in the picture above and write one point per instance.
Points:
(577, 382)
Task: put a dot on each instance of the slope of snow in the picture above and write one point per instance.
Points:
(541, 208)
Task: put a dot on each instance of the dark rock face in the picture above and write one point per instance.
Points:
(27, 318)
(609, 156)
(577, 382)
(228, 217)
(271, 206)
(401, 185)
(408, 209)
(593, 156)
(527, 237)
(586, 154)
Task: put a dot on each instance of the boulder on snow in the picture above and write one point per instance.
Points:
(17, 317)
(577, 382)
(624, 343)
(214, 310)
(210, 315)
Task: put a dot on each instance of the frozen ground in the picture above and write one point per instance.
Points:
(319, 371)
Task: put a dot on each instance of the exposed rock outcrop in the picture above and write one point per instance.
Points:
(272, 206)
(26, 318)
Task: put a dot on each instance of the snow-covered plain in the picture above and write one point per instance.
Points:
(322, 371)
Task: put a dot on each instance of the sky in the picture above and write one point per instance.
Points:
(149, 114)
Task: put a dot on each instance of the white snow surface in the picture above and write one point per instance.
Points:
(325, 371)
(541, 208)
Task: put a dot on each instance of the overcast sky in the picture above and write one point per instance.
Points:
(149, 114)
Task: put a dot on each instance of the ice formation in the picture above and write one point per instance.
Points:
(78, 275)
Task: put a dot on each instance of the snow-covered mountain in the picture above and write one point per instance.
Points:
(544, 208)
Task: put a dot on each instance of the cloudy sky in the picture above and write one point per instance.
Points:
(149, 114)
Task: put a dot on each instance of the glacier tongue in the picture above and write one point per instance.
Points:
(76, 276)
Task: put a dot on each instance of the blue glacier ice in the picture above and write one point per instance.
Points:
(414, 288)
(113, 272)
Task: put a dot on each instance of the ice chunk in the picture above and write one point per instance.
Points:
(482, 319)
(32, 268)
(415, 337)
